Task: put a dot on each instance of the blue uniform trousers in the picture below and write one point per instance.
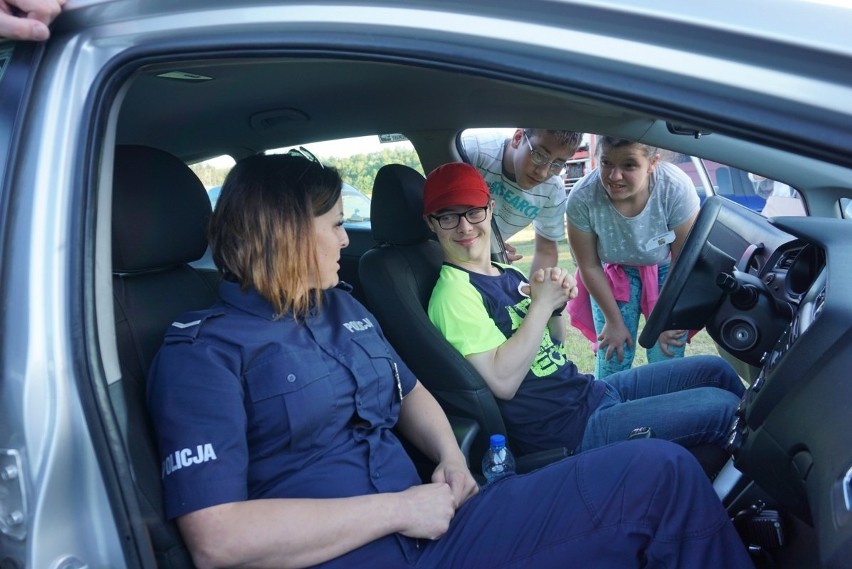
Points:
(643, 503)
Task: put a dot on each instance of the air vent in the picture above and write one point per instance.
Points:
(787, 259)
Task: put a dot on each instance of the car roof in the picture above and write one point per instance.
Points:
(609, 67)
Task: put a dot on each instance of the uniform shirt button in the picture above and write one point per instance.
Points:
(291, 378)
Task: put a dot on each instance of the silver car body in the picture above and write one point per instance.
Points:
(753, 71)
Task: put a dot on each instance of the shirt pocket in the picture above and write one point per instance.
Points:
(377, 376)
(291, 401)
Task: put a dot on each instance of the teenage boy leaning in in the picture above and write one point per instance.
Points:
(524, 175)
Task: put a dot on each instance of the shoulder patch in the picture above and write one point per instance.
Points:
(188, 325)
(182, 325)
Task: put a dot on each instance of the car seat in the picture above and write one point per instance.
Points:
(160, 212)
(398, 276)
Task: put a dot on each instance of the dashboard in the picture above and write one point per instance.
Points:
(773, 294)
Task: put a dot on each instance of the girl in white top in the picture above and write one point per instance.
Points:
(628, 220)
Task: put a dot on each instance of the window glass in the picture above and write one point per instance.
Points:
(846, 208)
(693, 168)
(357, 159)
(356, 206)
(212, 173)
(780, 198)
(758, 193)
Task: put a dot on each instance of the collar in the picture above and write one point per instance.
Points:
(250, 301)
(246, 300)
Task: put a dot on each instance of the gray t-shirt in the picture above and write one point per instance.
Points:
(641, 240)
(514, 207)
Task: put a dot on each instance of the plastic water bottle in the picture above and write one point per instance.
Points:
(498, 460)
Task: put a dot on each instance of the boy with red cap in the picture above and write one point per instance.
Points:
(512, 330)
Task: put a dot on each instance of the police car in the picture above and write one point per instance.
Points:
(101, 217)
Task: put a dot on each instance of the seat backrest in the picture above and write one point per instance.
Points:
(398, 276)
(159, 220)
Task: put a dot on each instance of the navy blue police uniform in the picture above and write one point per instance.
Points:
(248, 405)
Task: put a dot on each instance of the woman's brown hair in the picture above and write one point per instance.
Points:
(262, 230)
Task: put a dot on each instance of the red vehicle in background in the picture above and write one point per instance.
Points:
(583, 162)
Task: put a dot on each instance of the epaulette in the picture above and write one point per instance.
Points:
(186, 329)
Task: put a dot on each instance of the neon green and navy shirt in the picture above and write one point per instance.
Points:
(477, 313)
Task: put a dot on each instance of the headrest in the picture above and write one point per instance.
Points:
(160, 211)
(396, 210)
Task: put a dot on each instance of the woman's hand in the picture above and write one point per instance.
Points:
(458, 476)
(428, 510)
(672, 339)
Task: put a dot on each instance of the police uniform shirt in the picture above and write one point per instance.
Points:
(247, 405)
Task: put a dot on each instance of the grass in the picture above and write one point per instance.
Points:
(577, 346)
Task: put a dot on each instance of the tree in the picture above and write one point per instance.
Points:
(358, 170)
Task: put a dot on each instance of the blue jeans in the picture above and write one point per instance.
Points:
(630, 313)
(690, 401)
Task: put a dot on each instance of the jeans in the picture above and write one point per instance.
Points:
(690, 401)
(630, 313)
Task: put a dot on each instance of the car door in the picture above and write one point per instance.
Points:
(56, 468)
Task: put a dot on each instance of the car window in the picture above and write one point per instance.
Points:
(356, 206)
(357, 159)
(754, 191)
(212, 174)
(846, 208)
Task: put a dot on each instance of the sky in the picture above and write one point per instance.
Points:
(349, 146)
(341, 148)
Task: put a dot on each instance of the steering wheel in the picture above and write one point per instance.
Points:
(667, 314)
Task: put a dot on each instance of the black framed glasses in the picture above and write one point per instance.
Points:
(539, 158)
(452, 220)
(302, 152)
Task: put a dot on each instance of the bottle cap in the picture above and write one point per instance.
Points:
(498, 440)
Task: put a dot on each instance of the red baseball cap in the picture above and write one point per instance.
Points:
(452, 184)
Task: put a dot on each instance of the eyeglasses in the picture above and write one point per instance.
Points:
(540, 159)
(452, 220)
(303, 152)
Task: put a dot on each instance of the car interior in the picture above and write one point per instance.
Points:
(767, 290)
